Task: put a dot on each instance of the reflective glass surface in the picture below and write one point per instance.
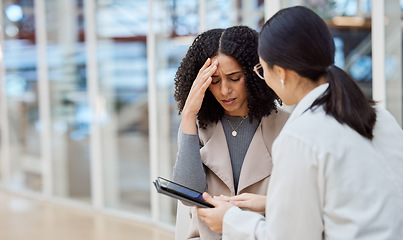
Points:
(121, 34)
(21, 90)
(175, 31)
(69, 103)
(350, 25)
(223, 13)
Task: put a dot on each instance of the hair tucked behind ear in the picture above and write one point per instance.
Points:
(298, 39)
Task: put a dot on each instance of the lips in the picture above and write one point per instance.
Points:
(229, 101)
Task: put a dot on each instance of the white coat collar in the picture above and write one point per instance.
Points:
(306, 102)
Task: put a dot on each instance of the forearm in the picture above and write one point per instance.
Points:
(238, 224)
(188, 169)
(188, 124)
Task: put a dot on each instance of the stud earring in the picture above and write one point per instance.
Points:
(282, 83)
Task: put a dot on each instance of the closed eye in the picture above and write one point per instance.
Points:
(215, 80)
(235, 76)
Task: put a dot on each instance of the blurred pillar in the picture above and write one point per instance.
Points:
(393, 58)
(271, 7)
(378, 52)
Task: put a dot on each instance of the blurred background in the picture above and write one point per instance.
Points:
(87, 114)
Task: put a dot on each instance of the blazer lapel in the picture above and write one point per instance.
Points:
(257, 164)
(215, 156)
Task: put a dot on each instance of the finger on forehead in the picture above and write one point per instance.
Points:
(208, 72)
(206, 64)
(212, 69)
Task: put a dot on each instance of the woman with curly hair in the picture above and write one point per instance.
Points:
(229, 119)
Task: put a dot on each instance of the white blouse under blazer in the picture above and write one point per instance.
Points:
(329, 182)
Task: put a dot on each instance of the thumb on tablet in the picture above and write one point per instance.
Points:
(207, 197)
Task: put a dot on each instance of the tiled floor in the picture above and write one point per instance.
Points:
(26, 219)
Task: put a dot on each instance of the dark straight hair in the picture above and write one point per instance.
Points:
(298, 39)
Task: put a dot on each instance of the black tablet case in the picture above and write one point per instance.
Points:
(181, 196)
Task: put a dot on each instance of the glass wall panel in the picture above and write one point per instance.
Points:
(350, 25)
(175, 30)
(21, 89)
(182, 16)
(121, 30)
(2, 102)
(69, 107)
(223, 13)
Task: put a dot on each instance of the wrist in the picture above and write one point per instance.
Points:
(187, 116)
(189, 124)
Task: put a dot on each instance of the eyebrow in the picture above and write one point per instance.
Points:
(229, 74)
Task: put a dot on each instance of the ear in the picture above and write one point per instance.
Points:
(280, 72)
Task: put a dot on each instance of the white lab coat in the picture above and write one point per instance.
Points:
(329, 182)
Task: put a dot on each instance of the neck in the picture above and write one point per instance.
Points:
(307, 85)
(237, 114)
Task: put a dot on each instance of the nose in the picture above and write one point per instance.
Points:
(225, 87)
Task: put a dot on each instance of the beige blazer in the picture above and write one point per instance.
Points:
(255, 172)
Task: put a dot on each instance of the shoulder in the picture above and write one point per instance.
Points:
(383, 116)
(276, 120)
(279, 116)
(310, 122)
(324, 132)
(272, 125)
(205, 134)
(387, 127)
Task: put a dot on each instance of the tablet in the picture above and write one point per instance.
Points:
(180, 192)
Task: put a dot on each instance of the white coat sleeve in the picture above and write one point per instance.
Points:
(245, 225)
(294, 199)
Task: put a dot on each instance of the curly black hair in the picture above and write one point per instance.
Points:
(240, 43)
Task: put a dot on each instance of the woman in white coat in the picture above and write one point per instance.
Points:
(338, 161)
